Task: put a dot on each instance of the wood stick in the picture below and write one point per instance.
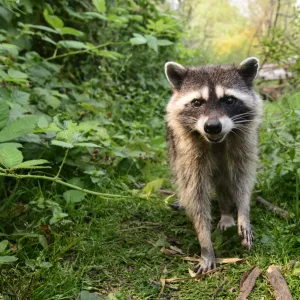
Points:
(282, 291)
(248, 282)
(281, 212)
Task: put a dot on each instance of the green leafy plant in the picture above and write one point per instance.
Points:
(280, 153)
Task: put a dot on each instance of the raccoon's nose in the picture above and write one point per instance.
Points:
(213, 126)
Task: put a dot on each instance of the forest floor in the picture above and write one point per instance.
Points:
(118, 249)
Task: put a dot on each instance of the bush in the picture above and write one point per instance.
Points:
(280, 152)
(83, 79)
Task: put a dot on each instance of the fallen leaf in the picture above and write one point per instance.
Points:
(177, 279)
(163, 283)
(14, 247)
(192, 273)
(176, 249)
(46, 228)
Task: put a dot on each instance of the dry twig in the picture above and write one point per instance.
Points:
(281, 212)
(248, 282)
(230, 260)
(282, 291)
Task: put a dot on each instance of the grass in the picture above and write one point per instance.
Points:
(113, 248)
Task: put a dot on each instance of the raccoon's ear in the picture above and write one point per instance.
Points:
(175, 74)
(249, 69)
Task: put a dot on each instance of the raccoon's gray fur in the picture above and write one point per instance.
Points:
(212, 121)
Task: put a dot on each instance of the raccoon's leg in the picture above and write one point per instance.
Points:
(225, 198)
(208, 260)
(196, 201)
(242, 195)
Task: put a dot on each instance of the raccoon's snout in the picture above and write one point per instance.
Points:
(213, 126)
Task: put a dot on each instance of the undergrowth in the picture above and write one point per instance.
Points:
(83, 156)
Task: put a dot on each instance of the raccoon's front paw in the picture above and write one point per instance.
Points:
(245, 232)
(226, 222)
(205, 265)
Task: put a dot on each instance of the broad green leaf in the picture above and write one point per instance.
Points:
(53, 20)
(12, 49)
(11, 145)
(90, 145)
(20, 97)
(138, 40)
(10, 157)
(73, 13)
(57, 216)
(44, 28)
(100, 5)
(53, 102)
(73, 44)
(15, 74)
(61, 144)
(5, 11)
(47, 39)
(69, 30)
(94, 15)
(18, 128)
(43, 122)
(73, 196)
(164, 42)
(137, 35)
(3, 245)
(43, 241)
(31, 163)
(85, 295)
(3, 74)
(153, 186)
(7, 259)
(152, 42)
(110, 54)
(40, 72)
(4, 113)
(77, 181)
(46, 265)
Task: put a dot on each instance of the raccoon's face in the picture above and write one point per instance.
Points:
(212, 100)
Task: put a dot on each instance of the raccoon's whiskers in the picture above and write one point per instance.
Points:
(243, 115)
(237, 122)
(242, 129)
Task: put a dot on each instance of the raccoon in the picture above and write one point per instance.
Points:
(212, 122)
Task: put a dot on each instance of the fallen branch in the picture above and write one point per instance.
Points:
(218, 260)
(166, 192)
(282, 291)
(248, 282)
(281, 212)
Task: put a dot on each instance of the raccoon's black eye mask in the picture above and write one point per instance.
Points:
(229, 100)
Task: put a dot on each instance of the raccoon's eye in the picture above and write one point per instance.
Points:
(197, 102)
(229, 100)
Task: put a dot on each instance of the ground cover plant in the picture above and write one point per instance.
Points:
(83, 165)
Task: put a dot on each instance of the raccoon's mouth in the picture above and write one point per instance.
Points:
(215, 139)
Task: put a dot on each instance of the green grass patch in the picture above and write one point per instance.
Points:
(113, 248)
